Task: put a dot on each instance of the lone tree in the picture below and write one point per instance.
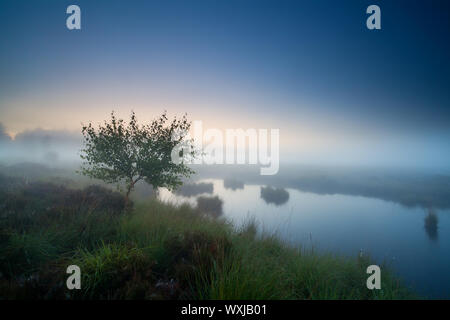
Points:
(118, 152)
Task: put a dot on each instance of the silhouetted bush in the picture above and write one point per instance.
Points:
(194, 253)
(210, 205)
(49, 282)
(100, 197)
(277, 196)
(39, 198)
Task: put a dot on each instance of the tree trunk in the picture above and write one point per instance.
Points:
(127, 195)
(127, 199)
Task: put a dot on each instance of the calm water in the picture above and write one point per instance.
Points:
(348, 224)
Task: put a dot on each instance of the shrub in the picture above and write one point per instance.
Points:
(210, 205)
(277, 196)
(194, 255)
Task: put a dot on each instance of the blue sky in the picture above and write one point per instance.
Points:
(310, 68)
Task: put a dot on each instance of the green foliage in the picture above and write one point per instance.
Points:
(118, 152)
(210, 205)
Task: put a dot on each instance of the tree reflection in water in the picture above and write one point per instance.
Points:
(431, 225)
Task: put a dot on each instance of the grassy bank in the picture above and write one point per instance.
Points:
(157, 251)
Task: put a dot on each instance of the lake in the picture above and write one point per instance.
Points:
(414, 241)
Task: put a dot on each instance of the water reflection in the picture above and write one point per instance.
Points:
(406, 187)
(194, 189)
(233, 184)
(277, 196)
(431, 225)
